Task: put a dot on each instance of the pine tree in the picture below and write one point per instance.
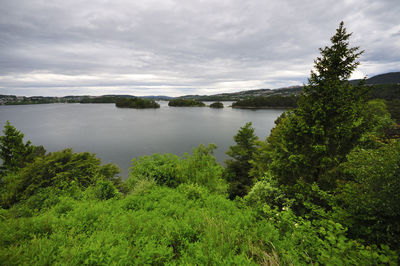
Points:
(315, 137)
(237, 168)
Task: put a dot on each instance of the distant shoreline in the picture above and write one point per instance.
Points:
(263, 107)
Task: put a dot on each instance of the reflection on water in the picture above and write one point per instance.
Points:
(118, 135)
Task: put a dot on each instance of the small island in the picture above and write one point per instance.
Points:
(185, 103)
(261, 102)
(138, 103)
(217, 105)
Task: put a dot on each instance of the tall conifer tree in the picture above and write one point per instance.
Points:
(237, 168)
(316, 136)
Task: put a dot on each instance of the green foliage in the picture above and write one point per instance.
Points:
(185, 103)
(186, 225)
(370, 194)
(385, 91)
(265, 195)
(167, 169)
(237, 168)
(161, 168)
(332, 160)
(138, 103)
(394, 109)
(217, 105)
(57, 170)
(379, 120)
(13, 152)
(104, 190)
(274, 101)
(315, 137)
(202, 168)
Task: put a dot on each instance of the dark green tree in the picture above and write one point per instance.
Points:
(329, 121)
(370, 194)
(237, 168)
(13, 152)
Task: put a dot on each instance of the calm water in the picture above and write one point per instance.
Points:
(118, 135)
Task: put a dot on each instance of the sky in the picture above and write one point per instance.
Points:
(171, 47)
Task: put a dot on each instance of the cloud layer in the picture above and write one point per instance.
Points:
(171, 47)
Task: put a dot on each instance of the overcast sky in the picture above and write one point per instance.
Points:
(171, 47)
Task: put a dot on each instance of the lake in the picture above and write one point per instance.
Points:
(117, 135)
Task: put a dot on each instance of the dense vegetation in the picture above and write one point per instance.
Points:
(391, 94)
(217, 105)
(185, 103)
(15, 100)
(267, 102)
(321, 189)
(21, 100)
(138, 103)
(102, 99)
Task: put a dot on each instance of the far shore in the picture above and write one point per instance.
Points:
(263, 107)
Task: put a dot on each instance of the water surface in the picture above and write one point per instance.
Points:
(117, 135)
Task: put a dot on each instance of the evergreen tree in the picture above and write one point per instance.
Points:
(315, 137)
(237, 169)
(13, 152)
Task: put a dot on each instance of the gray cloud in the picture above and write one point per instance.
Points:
(175, 47)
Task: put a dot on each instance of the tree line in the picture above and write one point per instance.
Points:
(275, 101)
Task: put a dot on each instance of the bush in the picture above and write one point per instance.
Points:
(160, 168)
(60, 171)
(105, 190)
(201, 168)
(370, 194)
(169, 170)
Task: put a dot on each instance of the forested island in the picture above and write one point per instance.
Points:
(185, 103)
(137, 103)
(321, 189)
(284, 102)
(217, 105)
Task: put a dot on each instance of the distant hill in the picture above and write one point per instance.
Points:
(387, 78)
(158, 97)
(234, 96)
(381, 86)
(118, 95)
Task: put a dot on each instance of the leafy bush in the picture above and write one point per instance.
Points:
(370, 194)
(161, 168)
(58, 171)
(105, 190)
(167, 169)
(202, 168)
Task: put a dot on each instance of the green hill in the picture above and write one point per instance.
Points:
(387, 78)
